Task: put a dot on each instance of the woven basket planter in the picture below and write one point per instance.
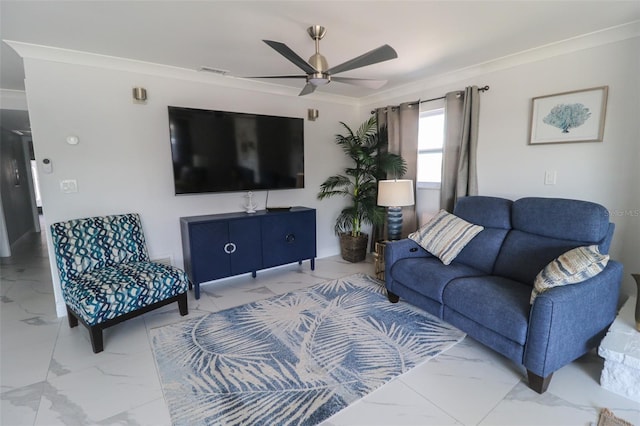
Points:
(353, 249)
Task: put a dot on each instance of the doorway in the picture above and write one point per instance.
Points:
(19, 208)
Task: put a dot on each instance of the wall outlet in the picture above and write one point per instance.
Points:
(550, 177)
(68, 186)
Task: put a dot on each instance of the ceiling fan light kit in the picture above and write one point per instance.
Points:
(317, 68)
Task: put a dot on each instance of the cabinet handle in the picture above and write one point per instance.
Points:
(229, 248)
(290, 238)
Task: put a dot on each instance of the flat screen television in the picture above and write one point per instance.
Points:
(222, 151)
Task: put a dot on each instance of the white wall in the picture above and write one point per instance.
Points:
(123, 161)
(606, 173)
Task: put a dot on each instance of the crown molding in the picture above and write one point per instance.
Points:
(75, 57)
(586, 41)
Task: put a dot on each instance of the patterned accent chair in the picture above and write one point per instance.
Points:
(107, 276)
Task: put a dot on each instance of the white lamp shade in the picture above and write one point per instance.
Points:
(395, 193)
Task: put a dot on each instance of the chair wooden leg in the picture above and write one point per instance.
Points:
(71, 317)
(393, 298)
(95, 332)
(182, 304)
(538, 383)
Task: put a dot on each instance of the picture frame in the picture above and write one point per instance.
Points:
(576, 116)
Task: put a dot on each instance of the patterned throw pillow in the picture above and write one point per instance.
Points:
(572, 267)
(445, 235)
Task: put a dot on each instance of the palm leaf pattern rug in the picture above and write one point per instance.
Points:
(294, 359)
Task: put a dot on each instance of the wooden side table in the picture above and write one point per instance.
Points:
(378, 257)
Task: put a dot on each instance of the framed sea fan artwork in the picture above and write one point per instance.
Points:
(576, 116)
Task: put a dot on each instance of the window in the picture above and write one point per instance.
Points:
(430, 142)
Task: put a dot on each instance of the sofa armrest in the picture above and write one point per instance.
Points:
(566, 322)
(401, 249)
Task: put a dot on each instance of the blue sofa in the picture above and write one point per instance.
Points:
(486, 290)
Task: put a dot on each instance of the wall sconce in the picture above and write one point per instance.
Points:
(139, 94)
(312, 114)
(394, 194)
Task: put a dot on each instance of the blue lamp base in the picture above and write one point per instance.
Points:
(394, 223)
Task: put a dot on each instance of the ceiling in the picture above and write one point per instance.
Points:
(431, 37)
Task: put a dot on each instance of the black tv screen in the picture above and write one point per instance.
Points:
(221, 151)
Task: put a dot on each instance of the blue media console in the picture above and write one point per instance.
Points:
(222, 245)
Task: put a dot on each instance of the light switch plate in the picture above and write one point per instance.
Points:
(550, 177)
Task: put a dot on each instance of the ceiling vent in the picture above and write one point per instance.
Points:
(214, 70)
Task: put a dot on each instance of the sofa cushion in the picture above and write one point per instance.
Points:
(561, 218)
(83, 245)
(429, 276)
(490, 212)
(572, 267)
(110, 292)
(445, 235)
(523, 255)
(496, 303)
(495, 215)
(481, 252)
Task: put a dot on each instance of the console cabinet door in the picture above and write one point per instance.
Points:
(288, 237)
(221, 248)
(247, 254)
(208, 258)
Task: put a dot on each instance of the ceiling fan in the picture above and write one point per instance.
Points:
(317, 69)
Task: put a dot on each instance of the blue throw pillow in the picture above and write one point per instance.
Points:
(572, 267)
(445, 235)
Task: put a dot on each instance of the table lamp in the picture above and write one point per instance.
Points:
(394, 194)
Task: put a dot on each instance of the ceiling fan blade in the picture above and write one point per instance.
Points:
(308, 88)
(371, 84)
(277, 76)
(381, 54)
(292, 56)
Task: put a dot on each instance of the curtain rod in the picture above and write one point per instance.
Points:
(480, 89)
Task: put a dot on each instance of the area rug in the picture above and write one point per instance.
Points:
(294, 359)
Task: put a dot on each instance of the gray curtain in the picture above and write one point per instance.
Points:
(459, 172)
(402, 126)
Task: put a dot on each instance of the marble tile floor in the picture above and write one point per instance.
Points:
(50, 376)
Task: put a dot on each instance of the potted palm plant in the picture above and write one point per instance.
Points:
(366, 147)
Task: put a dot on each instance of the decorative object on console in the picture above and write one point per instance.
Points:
(251, 205)
(295, 358)
(359, 184)
(576, 116)
(106, 275)
(394, 194)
